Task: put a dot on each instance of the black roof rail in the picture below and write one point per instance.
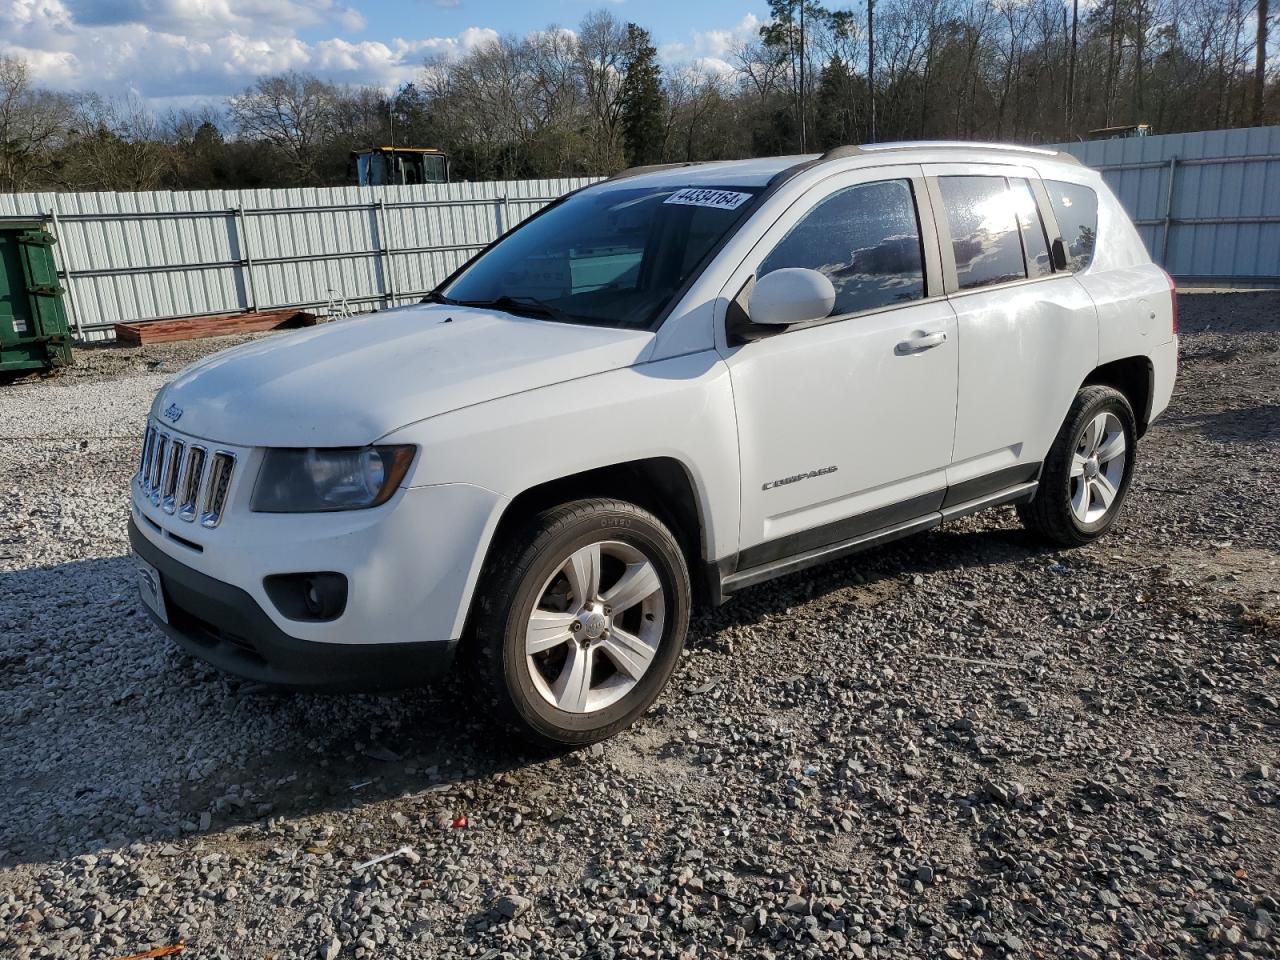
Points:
(850, 150)
(651, 168)
(835, 153)
(978, 145)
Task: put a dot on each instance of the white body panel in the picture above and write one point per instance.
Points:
(841, 394)
(1025, 349)
(497, 405)
(348, 383)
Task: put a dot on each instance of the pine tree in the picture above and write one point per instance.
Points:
(642, 99)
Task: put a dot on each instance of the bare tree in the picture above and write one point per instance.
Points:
(117, 146)
(602, 52)
(1260, 63)
(33, 125)
(294, 113)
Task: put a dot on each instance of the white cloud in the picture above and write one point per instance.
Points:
(176, 50)
(182, 51)
(352, 20)
(712, 49)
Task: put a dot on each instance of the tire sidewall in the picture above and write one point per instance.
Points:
(661, 550)
(1112, 402)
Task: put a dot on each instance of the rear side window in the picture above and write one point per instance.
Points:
(1076, 209)
(1034, 241)
(866, 240)
(982, 213)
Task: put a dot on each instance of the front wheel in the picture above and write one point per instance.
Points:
(581, 621)
(1087, 473)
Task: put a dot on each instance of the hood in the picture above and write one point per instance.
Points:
(351, 382)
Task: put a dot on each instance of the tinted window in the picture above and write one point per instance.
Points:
(866, 239)
(613, 256)
(1076, 209)
(982, 212)
(1035, 244)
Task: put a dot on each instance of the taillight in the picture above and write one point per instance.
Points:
(1173, 300)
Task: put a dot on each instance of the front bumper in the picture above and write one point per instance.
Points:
(224, 626)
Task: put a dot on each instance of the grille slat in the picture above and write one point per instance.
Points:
(185, 478)
(148, 456)
(157, 466)
(142, 457)
(172, 469)
(216, 495)
(193, 474)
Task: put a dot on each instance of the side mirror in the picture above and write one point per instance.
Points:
(791, 295)
(1059, 254)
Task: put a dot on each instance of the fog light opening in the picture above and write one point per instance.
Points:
(314, 597)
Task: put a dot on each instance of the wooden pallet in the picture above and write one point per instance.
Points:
(196, 328)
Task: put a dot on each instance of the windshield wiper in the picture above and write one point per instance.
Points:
(528, 306)
(435, 296)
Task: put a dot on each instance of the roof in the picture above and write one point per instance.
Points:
(743, 173)
(400, 149)
(760, 172)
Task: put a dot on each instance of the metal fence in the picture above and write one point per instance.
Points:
(150, 256)
(1207, 204)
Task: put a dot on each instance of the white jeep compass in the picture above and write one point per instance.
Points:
(660, 390)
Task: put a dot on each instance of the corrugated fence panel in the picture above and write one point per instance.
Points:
(146, 256)
(1220, 222)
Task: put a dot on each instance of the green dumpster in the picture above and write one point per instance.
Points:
(33, 321)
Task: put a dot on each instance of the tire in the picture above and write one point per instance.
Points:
(1081, 489)
(626, 655)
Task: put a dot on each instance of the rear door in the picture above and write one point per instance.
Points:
(845, 423)
(1027, 334)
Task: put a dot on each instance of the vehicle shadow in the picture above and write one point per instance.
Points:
(113, 735)
(954, 546)
(1260, 423)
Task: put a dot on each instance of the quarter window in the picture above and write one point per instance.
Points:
(1076, 209)
(982, 213)
(866, 240)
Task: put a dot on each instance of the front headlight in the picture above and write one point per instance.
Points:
(308, 481)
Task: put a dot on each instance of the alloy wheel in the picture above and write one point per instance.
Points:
(1097, 467)
(595, 627)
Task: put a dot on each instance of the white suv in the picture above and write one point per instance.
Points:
(660, 390)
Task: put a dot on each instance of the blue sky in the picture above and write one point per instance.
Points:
(183, 52)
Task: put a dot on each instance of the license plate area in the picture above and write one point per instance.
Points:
(150, 588)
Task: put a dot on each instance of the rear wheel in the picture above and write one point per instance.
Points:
(1086, 475)
(582, 620)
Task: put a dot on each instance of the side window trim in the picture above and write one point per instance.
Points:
(739, 287)
(1022, 230)
(950, 277)
(1047, 216)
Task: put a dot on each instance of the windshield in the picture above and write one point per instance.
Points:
(613, 257)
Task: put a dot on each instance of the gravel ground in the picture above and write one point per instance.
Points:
(963, 745)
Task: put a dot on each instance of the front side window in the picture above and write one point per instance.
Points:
(866, 240)
(614, 256)
(1076, 209)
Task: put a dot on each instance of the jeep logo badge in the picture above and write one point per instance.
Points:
(173, 413)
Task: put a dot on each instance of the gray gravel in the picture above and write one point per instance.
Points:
(961, 746)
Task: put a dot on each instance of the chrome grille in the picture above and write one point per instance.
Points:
(184, 478)
(190, 484)
(216, 490)
(169, 478)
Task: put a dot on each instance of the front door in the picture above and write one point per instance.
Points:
(845, 424)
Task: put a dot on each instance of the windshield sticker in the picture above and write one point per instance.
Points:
(700, 197)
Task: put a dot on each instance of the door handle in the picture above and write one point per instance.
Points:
(922, 342)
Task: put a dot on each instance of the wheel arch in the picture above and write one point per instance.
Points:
(1135, 378)
(662, 485)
